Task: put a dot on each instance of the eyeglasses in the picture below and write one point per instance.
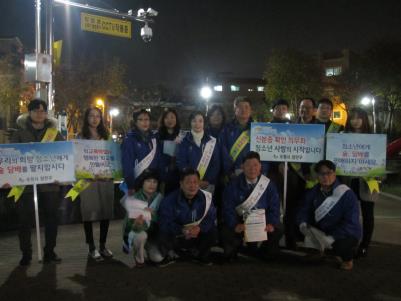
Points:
(327, 173)
(39, 111)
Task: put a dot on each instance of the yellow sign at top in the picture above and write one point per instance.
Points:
(105, 25)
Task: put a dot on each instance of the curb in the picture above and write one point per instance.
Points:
(391, 196)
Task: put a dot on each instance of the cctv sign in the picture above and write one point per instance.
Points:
(106, 25)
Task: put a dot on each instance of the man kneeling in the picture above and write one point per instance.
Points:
(251, 212)
(187, 220)
(329, 217)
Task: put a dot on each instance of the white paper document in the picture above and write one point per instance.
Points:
(169, 147)
(136, 207)
(255, 225)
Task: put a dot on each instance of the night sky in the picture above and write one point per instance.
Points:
(199, 38)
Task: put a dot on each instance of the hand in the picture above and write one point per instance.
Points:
(194, 231)
(6, 186)
(131, 192)
(269, 228)
(239, 228)
(139, 221)
(203, 184)
(149, 210)
(302, 227)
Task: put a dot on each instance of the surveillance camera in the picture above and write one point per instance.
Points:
(151, 12)
(141, 13)
(146, 33)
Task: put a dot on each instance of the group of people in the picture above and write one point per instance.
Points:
(201, 186)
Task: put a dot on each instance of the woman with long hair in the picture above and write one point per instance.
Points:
(168, 137)
(97, 201)
(358, 122)
(216, 119)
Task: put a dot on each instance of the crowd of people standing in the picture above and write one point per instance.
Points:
(201, 185)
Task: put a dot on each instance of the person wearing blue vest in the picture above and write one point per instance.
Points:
(250, 191)
(235, 138)
(200, 151)
(187, 220)
(329, 216)
(139, 151)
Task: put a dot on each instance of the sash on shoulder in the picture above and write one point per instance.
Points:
(239, 145)
(141, 166)
(330, 202)
(206, 157)
(208, 200)
(254, 197)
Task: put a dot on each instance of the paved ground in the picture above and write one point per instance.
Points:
(377, 277)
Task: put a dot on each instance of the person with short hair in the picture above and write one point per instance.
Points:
(307, 111)
(329, 215)
(324, 114)
(36, 126)
(250, 191)
(280, 111)
(140, 233)
(200, 151)
(235, 138)
(187, 220)
(139, 151)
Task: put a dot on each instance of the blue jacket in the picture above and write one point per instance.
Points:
(167, 166)
(134, 148)
(227, 138)
(342, 220)
(189, 155)
(175, 212)
(238, 191)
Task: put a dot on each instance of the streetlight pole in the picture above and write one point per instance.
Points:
(38, 47)
(374, 115)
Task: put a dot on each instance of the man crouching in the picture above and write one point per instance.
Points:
(187, 220)
(251, 213)
(329, 217)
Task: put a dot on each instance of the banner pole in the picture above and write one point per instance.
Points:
(35, 200)
(285, 187)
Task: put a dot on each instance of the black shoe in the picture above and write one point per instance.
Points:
(25, 260)
(362, 252)
(51, 257)
(166, 262)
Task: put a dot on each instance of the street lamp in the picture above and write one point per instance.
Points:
(100, 104)
(206, 93)
(367, 101)
(113, 113)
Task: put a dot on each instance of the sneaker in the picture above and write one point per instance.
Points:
(106, 253)
(25, 260)
(95, 255)
(166, 262)
(347, 265)
(51, 257)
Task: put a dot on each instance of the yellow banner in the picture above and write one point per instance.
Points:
(106, 25)
(57, 46)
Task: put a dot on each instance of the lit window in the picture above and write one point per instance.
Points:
(261, 88)
(333, 71)
(218, 88)
(234, 88)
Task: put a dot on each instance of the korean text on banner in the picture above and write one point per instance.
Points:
(357, 154)
(288, 142)
(36, 163)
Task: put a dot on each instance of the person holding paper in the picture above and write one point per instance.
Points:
(139, 151)
(358, 122)
(187, 220)
(329, 216)
(36, 126)
(246, 197)
(97, 200)
(140, 223)
(199, 150)
(168, 137)
(235, 138)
